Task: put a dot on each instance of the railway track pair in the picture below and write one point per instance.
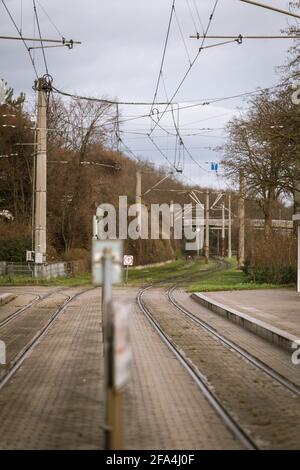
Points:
(231, 423)
(17, 361)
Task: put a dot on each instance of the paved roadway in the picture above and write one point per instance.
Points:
(55, 400)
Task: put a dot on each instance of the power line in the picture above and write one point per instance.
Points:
(192, 16)
(101, 100)
(49, 18)
(40, 34)
(193, 62)
(20, 34)
(182, 36)
(164, 54)
(205, 102)
(209, 101)
(160, 151)
(198, 15)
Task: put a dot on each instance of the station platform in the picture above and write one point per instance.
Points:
(273, 314)
(6, 298)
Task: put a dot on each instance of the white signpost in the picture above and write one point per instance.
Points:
(103, 251)
(127, 261)
(107, 256)
(122, 349)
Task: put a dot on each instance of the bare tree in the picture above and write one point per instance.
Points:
(265, 145)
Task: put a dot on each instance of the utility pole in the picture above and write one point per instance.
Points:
(229, 228)
(138, 198)
(241, 217)
(43, 86)
(223, 230)
(206, 248)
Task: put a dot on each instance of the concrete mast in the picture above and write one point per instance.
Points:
(40, 225)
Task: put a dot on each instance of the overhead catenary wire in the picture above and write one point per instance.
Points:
(40, 35)
(105, 101)
(163, 55)
(160, 151)
(198, 15)
(204, 101)
(210, 101)
(192, 63)
(192, 16)
(182, 36)
(21, 37)
(49, 18)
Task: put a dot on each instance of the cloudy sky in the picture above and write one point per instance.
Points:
(120, 55)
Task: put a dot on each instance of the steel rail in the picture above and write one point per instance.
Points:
(233, 346)
(199, 379)
(18, 312)
(26, 351)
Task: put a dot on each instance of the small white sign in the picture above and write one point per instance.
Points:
(113, 249)
(39, 259)
(29, 256)
(121, 346)
(128, 260)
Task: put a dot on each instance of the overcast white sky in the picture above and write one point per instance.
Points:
(120, 58)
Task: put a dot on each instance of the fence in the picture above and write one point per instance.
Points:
(43, 271)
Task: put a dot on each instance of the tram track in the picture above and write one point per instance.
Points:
(196, 375)
(33, 303)
(199, 379)
(18, 360)
(227, 414)
(232, 345)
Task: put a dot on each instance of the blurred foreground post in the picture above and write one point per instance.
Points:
(107, 271)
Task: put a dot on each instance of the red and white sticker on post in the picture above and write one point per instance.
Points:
(121, 346)
(128, 260)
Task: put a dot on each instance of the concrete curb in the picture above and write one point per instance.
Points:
(281, 338)
(6, 298)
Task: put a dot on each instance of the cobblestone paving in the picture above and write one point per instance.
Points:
(266, 410)
(21, 331)
(20, 301)
(277, 358)
(163, 407)
(55, 401)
